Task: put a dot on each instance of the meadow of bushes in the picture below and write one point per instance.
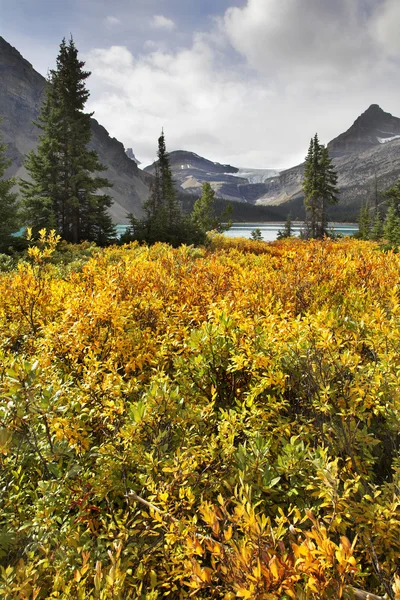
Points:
(217, 422)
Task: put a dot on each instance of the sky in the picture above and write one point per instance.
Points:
(244, 82)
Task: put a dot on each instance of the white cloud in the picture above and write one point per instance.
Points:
(386, 26)
(299, 68)
(112, 20)
(161, 22)
(320, 37)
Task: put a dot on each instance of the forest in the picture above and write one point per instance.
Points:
(200, 422)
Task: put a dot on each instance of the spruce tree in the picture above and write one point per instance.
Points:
(9, 218)
(391, 226)
(320, 188)
(64, 193)
(256, 235)
(377, 227)
(364, 222)
(163, 221)
(287, 231)
(203, 214)
(168, 194)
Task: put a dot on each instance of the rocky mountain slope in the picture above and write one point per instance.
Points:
(366, 157)
(21, 92)
(190, 171)
(371, 130)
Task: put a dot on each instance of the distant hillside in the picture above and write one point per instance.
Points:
(242, 212)
(21, 92)
(190, 171)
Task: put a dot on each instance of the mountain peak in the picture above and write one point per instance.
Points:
(374, 108)
(372, 128)
(374, 113)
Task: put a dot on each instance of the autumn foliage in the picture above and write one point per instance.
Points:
(206, 423)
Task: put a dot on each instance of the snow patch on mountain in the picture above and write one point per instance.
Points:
(255, 175)
(388, 139)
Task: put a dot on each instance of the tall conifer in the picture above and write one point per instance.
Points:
(392, 220)
(9, 222)
(320, 188)
(163, 221)
(65, 191)
(203, 216)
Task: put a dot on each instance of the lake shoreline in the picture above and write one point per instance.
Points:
(270, 229)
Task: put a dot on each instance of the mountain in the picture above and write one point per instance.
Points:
(372, 129)
(130, 154)
(21, 92)
(366, 157)
(190, 171)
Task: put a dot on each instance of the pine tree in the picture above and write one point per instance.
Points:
(256, 235)
(377, 227)
(163, 221)
(391, 226)
(329, 190)
(320, 188)
(9, 220)
(203, 214)
(364, 222)
(9, 217)
(64, 193)
(168, 194)
(287, 231)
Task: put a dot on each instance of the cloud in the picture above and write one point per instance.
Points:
(320, 37)
(112, 20)
(161, 22)
(386, 26)
(254, 87)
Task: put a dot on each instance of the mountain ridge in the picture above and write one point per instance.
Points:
(190, 171)
(366, 156)
(371, 128)
(21, 93)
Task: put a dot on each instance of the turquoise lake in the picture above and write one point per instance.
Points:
(269, 231)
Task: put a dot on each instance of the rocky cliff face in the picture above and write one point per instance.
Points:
(21, 92)
(372, 129)
(130, 154)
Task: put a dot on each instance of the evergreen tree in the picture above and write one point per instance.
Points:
(391, 226)
(203, 215)
(168, 194)
(364, 222)
(64, 193)
(256, 235)
(9, 218)
(163, 221)
(377, 227)
(320, 188)
(287, 231)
